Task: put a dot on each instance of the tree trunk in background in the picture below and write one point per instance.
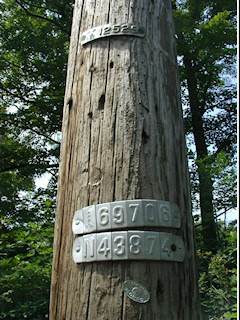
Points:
(209, 230)
(123, 139)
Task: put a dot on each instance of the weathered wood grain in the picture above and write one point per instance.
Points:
(122, 139)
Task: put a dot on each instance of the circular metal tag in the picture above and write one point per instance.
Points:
(136, 291)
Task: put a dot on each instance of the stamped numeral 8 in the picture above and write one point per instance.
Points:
(135, 246)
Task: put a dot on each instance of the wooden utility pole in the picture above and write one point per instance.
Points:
(123, 140)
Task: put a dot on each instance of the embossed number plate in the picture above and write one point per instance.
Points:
(128, 245)
(119, 29)
(126, 214)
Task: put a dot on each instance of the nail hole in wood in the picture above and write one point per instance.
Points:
(69, 103)
(111, 64)
(145, 137)
(90, 115)
(101, 102)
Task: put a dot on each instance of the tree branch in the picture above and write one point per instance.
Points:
(24, 165)
(15, 95)
(220, 214)
(43, 135)
(42, 18)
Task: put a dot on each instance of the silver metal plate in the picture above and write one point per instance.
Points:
(118, 29)
(128, 245)
(77, 250)
(126, 214)
(84, 220)
(136, 291)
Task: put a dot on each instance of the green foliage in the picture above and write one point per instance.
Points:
(206, 45)
(34, 48)
(218, 278)
(26, 254)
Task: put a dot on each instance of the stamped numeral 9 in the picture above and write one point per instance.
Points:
(134, 28)
(118, 215)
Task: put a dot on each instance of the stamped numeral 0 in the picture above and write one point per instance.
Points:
(150, 210)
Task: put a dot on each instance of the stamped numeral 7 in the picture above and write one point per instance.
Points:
(135, 211)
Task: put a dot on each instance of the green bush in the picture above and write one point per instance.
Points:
(218, 278)
(26, 271)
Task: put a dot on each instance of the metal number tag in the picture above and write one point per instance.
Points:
(120, 29)
(126, 214)
(128, 245)
(84, 220)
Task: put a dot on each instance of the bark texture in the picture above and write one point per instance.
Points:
(122, 139)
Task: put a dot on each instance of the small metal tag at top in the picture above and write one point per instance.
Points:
(118, 29)
(136, 291)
